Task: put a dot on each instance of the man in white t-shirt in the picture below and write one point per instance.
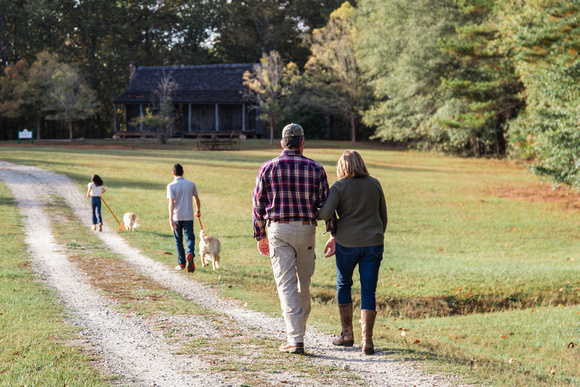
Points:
(180, 194)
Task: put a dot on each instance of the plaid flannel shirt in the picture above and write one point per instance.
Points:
(289, 187)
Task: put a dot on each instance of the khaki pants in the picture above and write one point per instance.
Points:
(292, 255)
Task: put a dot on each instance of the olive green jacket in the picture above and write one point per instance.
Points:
(362, 211)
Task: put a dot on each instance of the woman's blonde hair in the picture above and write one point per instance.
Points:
(351, 164)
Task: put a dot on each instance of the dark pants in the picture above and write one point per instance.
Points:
(369, 261)
(184, 227)
(96, 207)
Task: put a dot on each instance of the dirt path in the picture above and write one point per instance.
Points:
(134, 349)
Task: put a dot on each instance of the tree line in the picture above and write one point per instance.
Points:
(471, 77)
(485, 78)
(477, 77)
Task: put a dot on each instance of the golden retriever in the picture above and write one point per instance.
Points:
(209, 250)
(130, 221)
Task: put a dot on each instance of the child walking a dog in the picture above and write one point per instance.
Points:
(96, 189)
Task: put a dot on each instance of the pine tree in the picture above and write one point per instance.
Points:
(486, 85)
(546, 36)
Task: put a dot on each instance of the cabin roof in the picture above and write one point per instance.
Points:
(205, 84)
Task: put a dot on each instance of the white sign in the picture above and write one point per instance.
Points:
(24, 134)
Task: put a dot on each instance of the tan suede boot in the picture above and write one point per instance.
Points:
(346, 338)
(367, 324)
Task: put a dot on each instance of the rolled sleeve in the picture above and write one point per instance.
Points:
(259, 202)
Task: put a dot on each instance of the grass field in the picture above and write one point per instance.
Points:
(31, 330)
(482, 263)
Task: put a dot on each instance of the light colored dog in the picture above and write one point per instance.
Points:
(130, 221)
(209, 250)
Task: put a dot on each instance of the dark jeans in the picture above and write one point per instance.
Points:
(184, 227)
(369, 261)
(96, 207)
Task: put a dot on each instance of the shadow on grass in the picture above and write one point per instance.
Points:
(4, 201)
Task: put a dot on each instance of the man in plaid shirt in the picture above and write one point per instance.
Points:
(288, 193)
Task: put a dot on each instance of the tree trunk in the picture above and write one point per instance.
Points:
(353, 128)
(271, 130)
(38, 127)
(70, 130)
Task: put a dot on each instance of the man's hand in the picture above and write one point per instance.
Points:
(264, 247)
(172, 225)
(330, 247)
(197, 214)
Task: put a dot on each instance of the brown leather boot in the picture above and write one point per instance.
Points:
(346, 338)
(367, 324)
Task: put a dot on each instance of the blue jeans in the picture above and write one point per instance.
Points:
(184, 227)
(96, 209)
(369, 260)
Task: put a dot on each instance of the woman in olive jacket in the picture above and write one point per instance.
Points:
(359, 202)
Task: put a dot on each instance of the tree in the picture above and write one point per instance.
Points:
(335, 80)
(249, 28)
(399, 51)
(161, 116)
(13, 103)
(545, 36)
(485, 88)
(270, 86)
(25, 87)
(28, 27)
(69, 98)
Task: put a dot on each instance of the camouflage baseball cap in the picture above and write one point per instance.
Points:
(292, 130)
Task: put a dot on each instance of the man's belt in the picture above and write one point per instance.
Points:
(304, 222)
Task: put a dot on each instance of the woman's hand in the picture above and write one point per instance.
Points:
(330, 247)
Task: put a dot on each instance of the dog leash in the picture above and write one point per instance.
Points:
(120, 226)
(200, 225)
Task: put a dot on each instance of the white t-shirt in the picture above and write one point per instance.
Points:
(182, 191)
(95, 191)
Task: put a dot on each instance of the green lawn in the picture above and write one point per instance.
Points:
(32, 331)
(482, 283)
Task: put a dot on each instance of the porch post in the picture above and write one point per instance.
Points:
(141, 115)
(243, 117)
(217, 118)
(189, 119)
